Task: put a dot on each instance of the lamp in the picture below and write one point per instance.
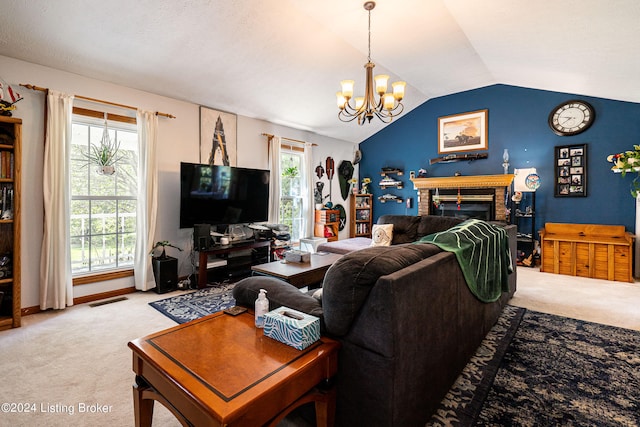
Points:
(364, 108)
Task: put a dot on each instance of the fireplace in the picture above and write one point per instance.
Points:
(469, 203)
(481, 196)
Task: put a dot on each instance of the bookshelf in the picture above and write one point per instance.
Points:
(327, 223)
(10, 172)
(361, 215)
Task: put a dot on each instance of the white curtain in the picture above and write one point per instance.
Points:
(274, 182)
(147, 207)
(308, 201)
(56, 282)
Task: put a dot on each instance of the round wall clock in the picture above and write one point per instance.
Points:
(571, 117)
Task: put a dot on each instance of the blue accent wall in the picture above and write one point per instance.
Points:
(517, 121)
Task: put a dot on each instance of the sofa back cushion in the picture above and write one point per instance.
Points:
(405, 227)
(430, 224)
(349, 281)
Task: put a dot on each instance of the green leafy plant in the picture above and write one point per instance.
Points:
(290, 172)
(163, 244)
(628, 161)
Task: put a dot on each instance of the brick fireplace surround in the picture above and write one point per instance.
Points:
(499, 183)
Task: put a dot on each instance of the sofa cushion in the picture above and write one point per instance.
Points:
(345, 246)
(348, 281)
(405, 227)
(381, 234)
(430, 224)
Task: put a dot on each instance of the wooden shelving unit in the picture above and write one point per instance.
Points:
(361, 215)
(327, 223)
(10, 190)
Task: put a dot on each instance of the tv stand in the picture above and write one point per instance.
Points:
(225, 250)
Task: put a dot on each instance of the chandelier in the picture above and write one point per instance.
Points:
(363, 108)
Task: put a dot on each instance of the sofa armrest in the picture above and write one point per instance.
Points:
(279, 293)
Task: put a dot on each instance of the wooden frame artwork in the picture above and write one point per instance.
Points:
(463, 132)
(218, 137)
(570, 170)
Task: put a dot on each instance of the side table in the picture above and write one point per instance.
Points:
(221, 370)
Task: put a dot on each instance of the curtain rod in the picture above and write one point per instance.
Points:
(268, 135)
(86, 98)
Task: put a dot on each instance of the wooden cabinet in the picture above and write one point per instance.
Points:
(361, 215)
(327, 223)
(587, 250)
(10, 158)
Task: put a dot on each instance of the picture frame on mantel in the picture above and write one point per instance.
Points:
(463, 132)
(570, 170)
(218, 137)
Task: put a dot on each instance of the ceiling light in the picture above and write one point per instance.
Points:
(388, 105)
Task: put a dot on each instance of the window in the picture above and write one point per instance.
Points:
(103, 207)
(291, 203)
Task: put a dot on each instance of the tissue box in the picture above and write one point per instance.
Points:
(297, 256)
(298, 333)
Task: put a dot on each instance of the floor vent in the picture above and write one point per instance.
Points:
(99, 303)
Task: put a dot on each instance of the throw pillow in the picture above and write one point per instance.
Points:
(381, 235)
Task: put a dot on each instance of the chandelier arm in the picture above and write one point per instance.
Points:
(349, 117)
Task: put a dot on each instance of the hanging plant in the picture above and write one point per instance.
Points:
(106, 154)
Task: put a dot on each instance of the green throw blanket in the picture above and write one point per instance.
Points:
(482, 250)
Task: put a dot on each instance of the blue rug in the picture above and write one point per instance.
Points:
(186, 307)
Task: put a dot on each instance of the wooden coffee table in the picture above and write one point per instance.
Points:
(221, 370)
(300, 274)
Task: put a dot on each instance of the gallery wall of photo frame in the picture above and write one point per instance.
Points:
(571, 170)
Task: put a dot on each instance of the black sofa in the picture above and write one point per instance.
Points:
(405, 317)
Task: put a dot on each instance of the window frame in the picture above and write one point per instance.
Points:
(290, 149)
(88, 277)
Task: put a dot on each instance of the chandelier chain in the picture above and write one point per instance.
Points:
(369, 56)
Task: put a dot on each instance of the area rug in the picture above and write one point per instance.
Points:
(536, 369)
(186, 307)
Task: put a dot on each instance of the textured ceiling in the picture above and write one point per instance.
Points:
(282, 60)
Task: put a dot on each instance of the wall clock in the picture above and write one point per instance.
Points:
(571, 117)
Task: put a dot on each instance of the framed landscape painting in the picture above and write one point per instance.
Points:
(218, 137)
(463, 132)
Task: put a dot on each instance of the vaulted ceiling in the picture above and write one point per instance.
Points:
(282, 60)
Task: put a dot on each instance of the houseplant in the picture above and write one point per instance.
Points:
(105, 155)
(165, 268)
(628, 161)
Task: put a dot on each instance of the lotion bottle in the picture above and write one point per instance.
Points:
(261, 308)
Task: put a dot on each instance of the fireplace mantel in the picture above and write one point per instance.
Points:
(476, 181)
(497, 183)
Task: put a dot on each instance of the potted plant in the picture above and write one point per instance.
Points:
(165, 268)
(105, 155)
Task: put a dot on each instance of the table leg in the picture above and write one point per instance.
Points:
(142, 408)
(202, 270)
(325, 404)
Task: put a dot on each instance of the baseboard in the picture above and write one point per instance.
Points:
(83, 300)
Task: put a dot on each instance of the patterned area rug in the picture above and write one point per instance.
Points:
(186, 307)
(536, 369)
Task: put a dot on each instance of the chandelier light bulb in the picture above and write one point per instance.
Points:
(398, 90)
(381, 83)
(347, 88)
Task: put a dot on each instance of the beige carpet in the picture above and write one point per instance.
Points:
(63, 361)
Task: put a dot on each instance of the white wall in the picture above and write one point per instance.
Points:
(178, 141)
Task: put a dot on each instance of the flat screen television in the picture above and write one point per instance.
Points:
(222, 195)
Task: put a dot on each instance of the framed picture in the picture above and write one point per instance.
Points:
(218, 137)
(463, 132)
(571, 171)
